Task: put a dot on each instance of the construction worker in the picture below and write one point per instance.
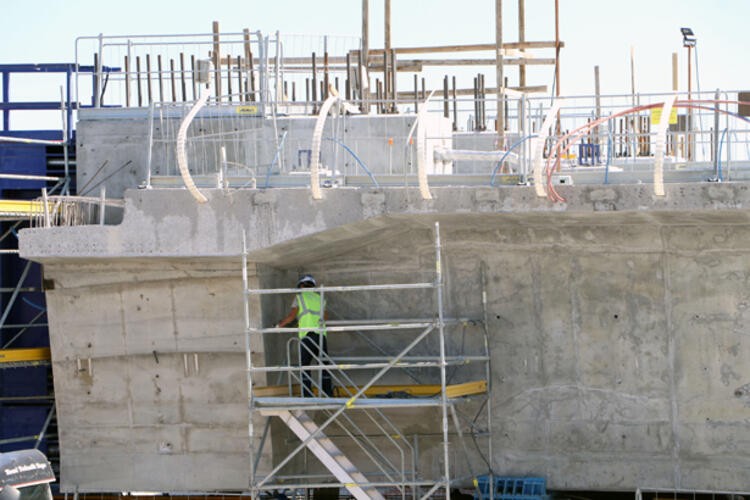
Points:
(306, 310)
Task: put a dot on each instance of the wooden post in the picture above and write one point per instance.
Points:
(248, 62)
(522, 39)
(557, 72)
(675, 79)
(499, 73)
(148, 79)
(217, 60)
(598, 102)
(416, 93)
(394, 73)
(96, 93)
(387, 52)
(364, 58)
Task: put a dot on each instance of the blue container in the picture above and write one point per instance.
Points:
(512, 488)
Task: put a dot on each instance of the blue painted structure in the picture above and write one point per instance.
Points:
(26, 396)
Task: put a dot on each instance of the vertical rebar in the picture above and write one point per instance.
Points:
(240, 94)
(347, 84)
(229, 77)
(138, 80)
(182, 77)
(149, 151)
(161, 79)
(192, 77)
(326, 83)
(314, 85)
(455, 105)
(446, 112)
(127, 81)
(172, 80)
(149, 89)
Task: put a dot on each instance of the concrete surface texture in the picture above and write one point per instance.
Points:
(112, 146)
(618, 326)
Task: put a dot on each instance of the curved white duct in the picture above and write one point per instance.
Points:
(315, 149)
(180, 146)
(424, 188)
(660, 145)
(537, 149)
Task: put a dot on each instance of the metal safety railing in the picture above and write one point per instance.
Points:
(364, 417)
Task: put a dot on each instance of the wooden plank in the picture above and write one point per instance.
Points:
(477, 47)
(216, 58)
(472, 62)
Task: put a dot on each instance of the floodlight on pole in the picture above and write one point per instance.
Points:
(688, 37)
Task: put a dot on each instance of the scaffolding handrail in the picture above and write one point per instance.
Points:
(353, 288)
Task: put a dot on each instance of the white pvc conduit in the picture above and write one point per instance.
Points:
(537, 149)
(180, 146)
(317, 137)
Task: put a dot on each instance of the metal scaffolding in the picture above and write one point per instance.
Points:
(386, 459)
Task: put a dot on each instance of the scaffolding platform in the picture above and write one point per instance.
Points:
(11, 210)
(405, 391)
(18, 358)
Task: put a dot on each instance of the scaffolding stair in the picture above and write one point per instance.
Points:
(329, 454)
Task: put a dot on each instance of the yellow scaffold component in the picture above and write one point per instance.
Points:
(18, 209)
(409, 390)
(24, 355)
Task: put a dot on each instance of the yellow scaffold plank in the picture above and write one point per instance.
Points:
(13, 209)
(24, 355)
(410, 390)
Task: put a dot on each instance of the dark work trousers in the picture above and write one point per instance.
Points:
(309, 355)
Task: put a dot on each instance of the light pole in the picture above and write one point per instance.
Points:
(689, 41)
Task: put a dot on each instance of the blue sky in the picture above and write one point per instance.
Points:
(596, 32)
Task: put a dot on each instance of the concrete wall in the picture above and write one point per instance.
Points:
(112, 146)
(617, 325)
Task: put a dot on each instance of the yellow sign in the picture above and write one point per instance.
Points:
(656, 116)
(247, 110)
